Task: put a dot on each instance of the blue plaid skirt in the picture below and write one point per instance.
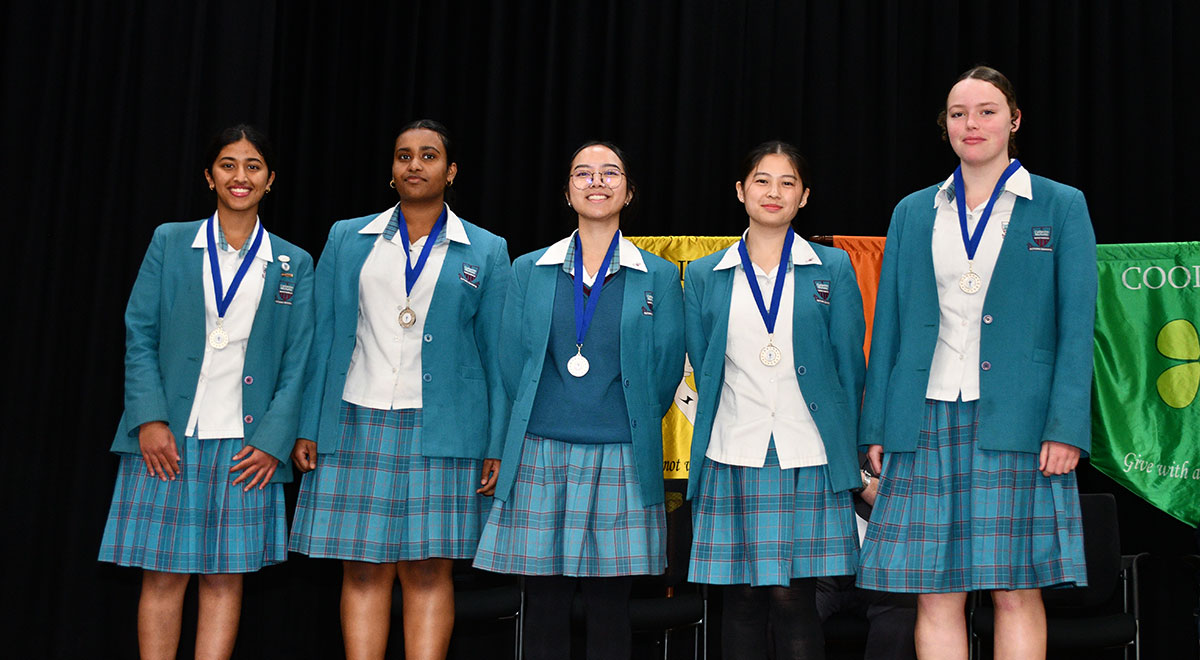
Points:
(766, 526)
(198, 523)
(377, 499)
(575, 509)
(951, 517)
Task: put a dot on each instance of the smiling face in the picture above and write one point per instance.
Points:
(419, 166)
(598, 188)
(773, 192)
(979, 122)
(240, 177)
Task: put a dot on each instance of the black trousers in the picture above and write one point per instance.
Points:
(891, 617)
(548, 617)
(772, 622)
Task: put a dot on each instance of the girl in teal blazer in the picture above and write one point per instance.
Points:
(977, 404)
(593, 337)
(775, 333)
(214, 369)
(404, 411)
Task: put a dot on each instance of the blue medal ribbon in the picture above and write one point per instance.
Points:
(225, 298)
(411, 272)
(768, 315)
(585, 312)
(971, 241)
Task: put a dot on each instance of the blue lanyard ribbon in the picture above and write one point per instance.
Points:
(411, 272)
(768, 315)
(223, 298)
(585, 312)
(971, 241)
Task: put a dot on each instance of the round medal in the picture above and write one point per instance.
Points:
(578, 365)
(970, 282)
(218, 338)
(408, 317)
(770, 355)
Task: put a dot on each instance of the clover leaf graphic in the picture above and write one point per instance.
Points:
(1177, 385)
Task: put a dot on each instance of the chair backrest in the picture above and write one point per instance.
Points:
(1102, 551)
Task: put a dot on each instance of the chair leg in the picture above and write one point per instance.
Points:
(667, 644)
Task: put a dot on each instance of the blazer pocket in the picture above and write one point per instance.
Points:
(1044, 356)
(471, 373)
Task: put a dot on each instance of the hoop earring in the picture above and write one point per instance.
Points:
(450, 183)
(267, 190)
(392, 184)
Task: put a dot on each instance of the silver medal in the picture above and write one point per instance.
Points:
(970, 282)
(408, 317)
(578, 365)
(218, 338)
(770, 355)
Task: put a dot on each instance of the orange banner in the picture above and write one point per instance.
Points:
(866, 255)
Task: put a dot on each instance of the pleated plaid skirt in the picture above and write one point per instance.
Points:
(951, 517)
(377, 499)
(198, 523)
(575, 509)
(766, 526)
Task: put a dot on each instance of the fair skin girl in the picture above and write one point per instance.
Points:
(979, 124)
(598, 205)
(240, 178)
(420, 173)
(772, 194)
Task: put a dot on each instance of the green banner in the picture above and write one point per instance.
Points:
(1145, 413)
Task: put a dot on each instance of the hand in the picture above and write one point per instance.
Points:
(875, 455)
(259, 467)
(491, 472)
(157, 444)
(304, 455)
(868, 494)
(1057, 458)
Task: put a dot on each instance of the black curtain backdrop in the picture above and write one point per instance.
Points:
(107, 107)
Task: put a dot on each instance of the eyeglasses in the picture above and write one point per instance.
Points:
(584, 179)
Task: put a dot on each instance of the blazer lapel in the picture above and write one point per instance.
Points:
(189, 305)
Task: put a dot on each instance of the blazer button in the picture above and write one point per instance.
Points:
(626, 382)
(426, 378)
(249, 419)
(986, 366)
(987, 319)
(249, 380)
(633, 423)
(813, 406)
(801, 370)
(428, 338)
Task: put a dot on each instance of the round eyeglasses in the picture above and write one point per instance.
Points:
(584, 179)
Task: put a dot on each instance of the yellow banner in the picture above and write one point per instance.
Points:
(677, 425)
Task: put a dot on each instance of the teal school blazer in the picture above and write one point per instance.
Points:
(464, 409)
(651, 358)
(827, 341)
(1035, 379)
(165, 341)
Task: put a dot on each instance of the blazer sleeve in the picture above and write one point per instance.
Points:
(322, 340)
(1068, 419)
(276, 433)
(695, 338)
(885, 338)
(145, 396)
(668, 337)
(847, 330)
(487, 337)
(512, 335)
